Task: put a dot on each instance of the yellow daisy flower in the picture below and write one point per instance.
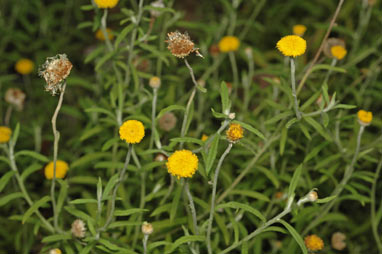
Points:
(61, 169)
(338, 52)
(106, 3)
(364, 117)
(99, 34)
(24, 66)
(314, 243)
(5, 134)
(291, 45)
(299, 30)
(204, 137)
(182, 163)
(234, 132)
(132, 131)
(229, 43)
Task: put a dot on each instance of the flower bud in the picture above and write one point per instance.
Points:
(155, 82)
(147, 228)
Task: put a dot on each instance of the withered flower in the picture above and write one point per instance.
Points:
(167, 122)
(55, 70)
(15, 97)
(180, 45)
(78, 228)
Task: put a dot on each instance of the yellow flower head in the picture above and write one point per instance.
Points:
(299, 30)
(61, 169)
(234, 132)
(106, 3)
(291, 45)
(204, 137)
(24, 66)
(182, 163)
(229, 43)
(314, 243)
(99, 35)
(364, 117)
(338, 52)
(132, 131)
(5, 134)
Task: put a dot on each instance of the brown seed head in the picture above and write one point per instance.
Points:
(55, 70)
(180, 45)
(78, 228)
(338, 241)
(15, 97)
(167, 122)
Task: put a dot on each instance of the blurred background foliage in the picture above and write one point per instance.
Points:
(38, 29)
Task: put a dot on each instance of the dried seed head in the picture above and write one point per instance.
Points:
(180, 45)
(156, 4)
(78, 228)
(338, 241)
(147, 228)
(167, 122)
(55, 70)
(15, 97)
(331, 42)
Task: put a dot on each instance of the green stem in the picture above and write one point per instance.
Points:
(212, 209)
(145, 239)
(334, 62)
(373, 219)
(143, 192)
(104, 31)
(192, 208)
(153, 112)
(121, 176)
(293, 81)
(11, 156)
(261, 228)
(55, 153)
(339, 188)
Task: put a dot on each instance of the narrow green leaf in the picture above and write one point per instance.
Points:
(109, 186)
(161, 209)
(251, 129)
(56, 238)
(35, 208)
(62, 195)
(295, 235)
(175, 202)
(325, 200)
(315, 151)
(83, 201)
(318, 128)
(284, 135)
(212, 152)
(224, 97)
(279, 117)
(187, 140)
(4, 200)
(169, 109)
(294, 181)
(30, 170)
(15, 135)
(129, 211)
(218, 115)
(122, 35)
(327, 67)
(247, 208)
(32, 154)
(5, 179)
(185, 239)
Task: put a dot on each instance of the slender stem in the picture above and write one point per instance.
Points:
(373, 219)
(55, 152)
(309, 70)
(189, 103)
(121, 176)
(249, 166)
(334, 62)
(209, 140)
(143, 192)
(347, 175)
(293, 81)
(104, 31)
(145, 239)
(20, 182)
(192, 208)
(215, 183)
(153, 112)
(261, 228)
